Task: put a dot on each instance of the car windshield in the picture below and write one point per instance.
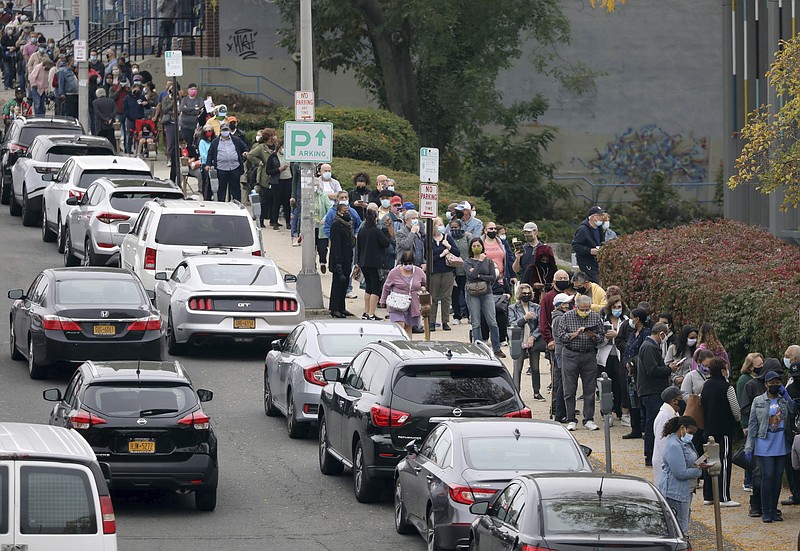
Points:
(238, 274)
(103, 292)
(28, 133)
(508, 453)
(459, 386)
(614, 515)
(210, 230)
(89, 176)
(142, 400)
(349, 345)
(60, 153)
(132, 201)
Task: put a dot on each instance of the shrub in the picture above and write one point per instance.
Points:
(740, 278)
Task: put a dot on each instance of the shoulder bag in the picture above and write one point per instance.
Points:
(695, 409)
(400, 302)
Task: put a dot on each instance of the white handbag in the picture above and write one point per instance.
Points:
(400, 302)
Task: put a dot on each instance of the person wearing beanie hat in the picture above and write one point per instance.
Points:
(669, 409)
(586, 244)
(190, 108)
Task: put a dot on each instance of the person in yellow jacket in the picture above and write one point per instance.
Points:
(581, 283)
(220, 117)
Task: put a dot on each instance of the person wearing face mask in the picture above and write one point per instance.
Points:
(469, 222)
(670, 409)
(637, 332)
(385, 201)
(679, 469)
(442, 275)
(40, 86)
(280, 180)
(540, 272)
(104, 113)
(68, 90)
(133, 107)
(525, 314)
(680, 353)
(754, 361)
(359, 195)
(500, 253)
(692, 387)
(329, 184)
(411, 237)
(721, 415)
(9, 45)
(458, 296)
(589, 236)
(582, 284)
(481, 276)
(190, 108)
(203, 145)
(96, 63)
(371, 244)
(342, 241)
(561, 284)
(707, 340)
(165, 112)
(609, 356)
(791, 361)
(562, 303)
(380, 186)
(406, 279)
(226, 154)
(38, 53)
(257, 160)
(769, 437)
(16, 106)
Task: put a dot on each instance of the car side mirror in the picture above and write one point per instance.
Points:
(106, 469)
(276, 345)
(16, 294)
(479, 508)
(52, 395)
(151, 294)
(72, 201)
(290, 278)
(204, 395)
(123, 227)
(161, 276)
(330, 374)
(412, 447)
(48, 177)
(587, 451)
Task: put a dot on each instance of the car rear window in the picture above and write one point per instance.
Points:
(89, 176)
(458, 386)
(349, 345)
(28, 133)
(211, 230)
(105, 292)
(508, 453)
(139, 401)
(237, 274)
(132, 201)
(56, 500)
(60, 153)
(609, 515)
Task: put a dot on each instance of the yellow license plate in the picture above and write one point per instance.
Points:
(244, 323)
(105, 330)
(142, 446)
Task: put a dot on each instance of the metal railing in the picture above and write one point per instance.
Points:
(270, 90)
(699, 192)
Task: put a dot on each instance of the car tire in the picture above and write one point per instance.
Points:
(89, 258)
(59, 234)
(5, 187)
(173, 346)
(328, 464)
(14, 208)
(401, 523)
(12, 342)
(269, 406)
(430, 532)
(364, 487)
(29, 218)
(205, 499)
(70, 260)
(295, 429)
(35, 369)
(48, 235)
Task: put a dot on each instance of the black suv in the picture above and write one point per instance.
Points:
(388, 395)
(18, 138)
(145, 420)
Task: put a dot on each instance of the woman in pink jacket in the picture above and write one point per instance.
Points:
(405, 279)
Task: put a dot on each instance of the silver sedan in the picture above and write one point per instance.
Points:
(212, 298)
(293, 369)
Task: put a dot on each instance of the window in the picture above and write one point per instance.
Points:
(32, 288)
(97, 197)
(299, 344)
(33, 149)
(442, 451)
(4, 499)
(88, 177)
(218, 230)
(352, 376)
(179, 274)
(380, 369)
(64, 172)
(238, 274)
(508, 453)
(621, 514)
(289, 342)
(515, 510)
(502, 504)
(40, 292)
(455, 387)
(105, 292)
(144, 218)
(133, 201)
(430, 441)
(123, 400)
(349, 345)
(74, 384)
(29, 133)
(56, 500)
(60, 153)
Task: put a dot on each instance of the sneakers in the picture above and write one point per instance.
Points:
(747, 488)
(539, 398)
(323, 268)
(352, 295)
(706, 502)
(590, 425)
(730, 503)
(572, 426)
(445, 327)
(500, 354)
(456, 321)
(365, 316)
(625, 420)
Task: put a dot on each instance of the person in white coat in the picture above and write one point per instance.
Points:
(669, 409)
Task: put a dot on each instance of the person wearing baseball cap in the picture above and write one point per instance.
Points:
(469, 223)
(589, 237)
(408, 205)
(524, 258)
(669, 409)
(226, 154)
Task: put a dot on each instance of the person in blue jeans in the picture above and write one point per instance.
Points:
(481, 275)
(772, 418)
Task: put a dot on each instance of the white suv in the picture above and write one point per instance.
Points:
(168, 231)
(53, 492)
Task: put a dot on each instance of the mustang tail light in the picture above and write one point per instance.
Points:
(82, 420)
(153, 323)
(467, 496)
(285, 305)
(197, 419)
(524, 413)
(149, 259)
(313, 374)
(388, 417)
(108, 217)
(201, 303)
(57, 323)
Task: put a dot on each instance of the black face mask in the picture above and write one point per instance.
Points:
(345, 216)
(232, 127)
(459, 214)
(561, 285)
(457, 234)
(525, 298)
(491, 234)
(774, 389)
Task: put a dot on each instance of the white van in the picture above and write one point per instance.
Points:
(53, 494)
(168, 231)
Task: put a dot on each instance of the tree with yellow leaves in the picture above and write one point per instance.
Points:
(770, 158)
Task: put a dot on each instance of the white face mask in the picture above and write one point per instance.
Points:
(326, 175)
(691, 342)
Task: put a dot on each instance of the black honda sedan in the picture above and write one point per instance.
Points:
(73, 314)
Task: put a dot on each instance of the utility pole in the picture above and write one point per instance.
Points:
(309, 283)
(83, 66)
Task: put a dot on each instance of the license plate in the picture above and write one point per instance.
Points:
(142, 446)
(244, 323)
(105, 330)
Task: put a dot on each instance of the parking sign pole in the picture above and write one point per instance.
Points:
(83, 67)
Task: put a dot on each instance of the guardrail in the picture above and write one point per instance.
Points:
(699, 192)
(271, 91)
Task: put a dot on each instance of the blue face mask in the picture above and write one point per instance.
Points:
(415, 222)
(632, 323)
(385, 203)
(687, 438)
(616, 313)
(787, 362)
(225, 133)
(440, 229)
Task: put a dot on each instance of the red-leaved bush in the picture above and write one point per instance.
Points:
(740, 278)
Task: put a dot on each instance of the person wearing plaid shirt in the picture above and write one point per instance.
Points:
(580, 332)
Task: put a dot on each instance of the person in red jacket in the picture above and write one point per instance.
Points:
(561, 283)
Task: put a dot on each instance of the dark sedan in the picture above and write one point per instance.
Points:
(73, 314)
(466, 460)
(576, 512)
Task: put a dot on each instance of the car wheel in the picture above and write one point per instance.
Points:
(269, 406)
(70, 259)
(13, 207)
(59, 234)
(401, 523)
(29, 218)
(48, 236)
(430, 533)
(12, 342)
(206, 499)
(364, 487)
(295, 429)
(89, 258)
(327, 463)
(5, 187)
(35, 369)
(173, 346)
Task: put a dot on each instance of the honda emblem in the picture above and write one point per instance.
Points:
(103, 313)
(141, 421)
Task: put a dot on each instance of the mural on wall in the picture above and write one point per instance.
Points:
(634, 155)
(242, 43)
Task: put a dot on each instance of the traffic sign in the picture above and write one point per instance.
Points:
(76, 8)
(80, 50)
(309, 142)
(304, 105)
(428, 200)
(173, 63)
(428, 164)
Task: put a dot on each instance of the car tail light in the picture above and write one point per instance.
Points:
(153, 323)
(76, 193)
(285, 305)
(17, 149)
(109, 520)
(524, 413)
(108, 217)
(201, 303)
(256, 253)
(529, 547)
(388, 417)
(149, 259)
(197, 419)
(82, 420)
(57, 323)
(467, 495)
(45, 170)
(106, 245)
(313, 374)
(200, 211)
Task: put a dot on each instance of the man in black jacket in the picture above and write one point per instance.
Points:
(587, 241)
(652, 377)
(105, 112)
(227, 154)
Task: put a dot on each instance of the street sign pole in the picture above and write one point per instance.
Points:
(173, 65)
(83, 66)
(428, 208)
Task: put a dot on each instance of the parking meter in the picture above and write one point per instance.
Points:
(213, 181)
(606, 394)
(711, 449)
(255, 201)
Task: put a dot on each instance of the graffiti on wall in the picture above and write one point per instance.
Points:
(635, 155)
(242, 42)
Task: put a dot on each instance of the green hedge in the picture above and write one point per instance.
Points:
(740, 278)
